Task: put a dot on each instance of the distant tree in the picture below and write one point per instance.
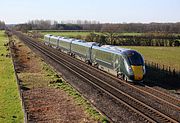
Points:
(42, 24)
(111, 31)
(102, 40)
(91, 37)
(2, 25)
(176, 43)
(23, 27)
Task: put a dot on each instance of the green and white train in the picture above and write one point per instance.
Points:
(124, 63)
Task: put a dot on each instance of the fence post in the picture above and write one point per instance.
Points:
(174, 72)
(152, 64)
(169, 70)
(166, 69)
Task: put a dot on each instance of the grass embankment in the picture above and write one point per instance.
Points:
(169, 56)
(61, 84)
(42, 75)
(10, 106)
(51, 77)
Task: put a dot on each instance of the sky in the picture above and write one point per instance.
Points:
(104, 11)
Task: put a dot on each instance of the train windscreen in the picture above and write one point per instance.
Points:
(134, 58)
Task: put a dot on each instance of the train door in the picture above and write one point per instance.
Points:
(116, 63)
(120, 68)
(57, 44)
(88, 53)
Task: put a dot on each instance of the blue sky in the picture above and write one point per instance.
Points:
(113, 11)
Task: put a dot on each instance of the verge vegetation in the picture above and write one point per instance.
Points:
(10, 105)
(59, 83)
(40, 76)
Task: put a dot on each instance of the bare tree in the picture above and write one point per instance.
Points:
(110, 30)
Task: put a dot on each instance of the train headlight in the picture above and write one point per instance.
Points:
(116, 61)
(130, 71)
(128, 68)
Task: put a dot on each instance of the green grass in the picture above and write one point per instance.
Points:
(67, 34)
(83, 34)
(169, 56)
(58, 82)
(10, 106)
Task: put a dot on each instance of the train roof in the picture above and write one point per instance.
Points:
(66, 39)
(55, 37)
(84, 43)
(48, 35)
(112, 49)
(115, 48)
(106, 48)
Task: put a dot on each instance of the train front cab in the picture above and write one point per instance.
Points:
(134, 65)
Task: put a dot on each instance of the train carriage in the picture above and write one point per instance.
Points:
(134, 64)
(65, 44)
(82, 50)
(47, 39)
(125, 63)
(54, 41)
(105, 58)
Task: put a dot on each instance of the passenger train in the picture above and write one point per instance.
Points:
(124, 63)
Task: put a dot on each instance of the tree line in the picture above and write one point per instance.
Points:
(100, 27)
(2, 25)
(145, 39)
(152, 34)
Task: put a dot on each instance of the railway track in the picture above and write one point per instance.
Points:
(148, 113)
(170, 99)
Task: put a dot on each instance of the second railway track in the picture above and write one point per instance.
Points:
(109, 85)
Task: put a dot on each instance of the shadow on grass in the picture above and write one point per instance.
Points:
(157, 77)
(23, 86)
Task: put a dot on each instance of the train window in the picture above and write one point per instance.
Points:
(134, 58)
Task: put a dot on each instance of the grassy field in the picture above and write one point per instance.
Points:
(74, 34)
(169, 56)
(67, 34)
(10, 106)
